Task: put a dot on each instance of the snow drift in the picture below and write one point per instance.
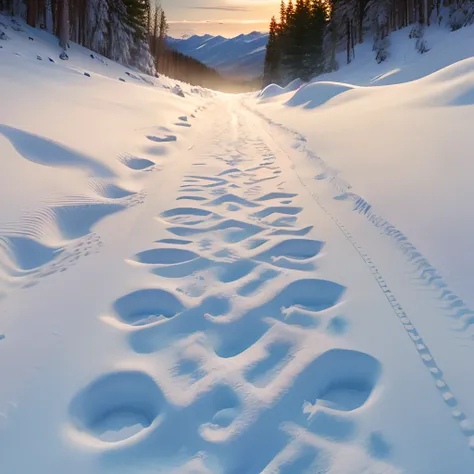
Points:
(316, 94)
(274, 90)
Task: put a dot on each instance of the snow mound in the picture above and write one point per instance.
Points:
(294, 85)
(452, 85)
(313, 95)
(274, 90)
(270, 91)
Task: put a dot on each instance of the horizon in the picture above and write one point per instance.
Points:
(227, 18)
(202, 35)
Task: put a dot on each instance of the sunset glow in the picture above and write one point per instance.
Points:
(219, 17)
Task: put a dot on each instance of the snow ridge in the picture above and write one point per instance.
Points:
(239, 57)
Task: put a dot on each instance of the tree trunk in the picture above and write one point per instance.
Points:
(42, 13)
(54, 14)
(64, 24)
(352, 39)
(32, 12)
(155, 34)
(348, 34)
(361, 21)
(148, 19)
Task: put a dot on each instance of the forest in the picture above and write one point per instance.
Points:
(131, 32)
(304, 41)
(126, 31)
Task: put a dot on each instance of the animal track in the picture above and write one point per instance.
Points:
(56, 236)
(188, 215)
(135, 163)
(76, 221)
(165, 256)
(165, 139)
(143, 307)
(231, 198)
(345, 382)
(52, 239)
(174, 241)
(117, 406)
(261, 373)
(108, 190)
(233, 230)
(190, 369)
(293, 254)
(275, 195)
(254, 285)
(191, 198)
(224, 408)
(311, 294)
(291, 211)
(424, 269)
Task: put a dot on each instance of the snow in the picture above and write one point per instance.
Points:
(207, 283)
(404, 64)
(274, 90)
(316, 94)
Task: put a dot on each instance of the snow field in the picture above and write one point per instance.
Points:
(225, 284)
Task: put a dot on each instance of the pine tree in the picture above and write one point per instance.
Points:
(272, 59)
(154, 34)
(290, 10)
(282, 15)
(291, 53)
(114, 28)
(316, 56)
(163, 31)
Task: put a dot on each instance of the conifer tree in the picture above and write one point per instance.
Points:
(272, 59)
(282, 24)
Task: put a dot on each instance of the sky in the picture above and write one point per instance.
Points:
(219, 17)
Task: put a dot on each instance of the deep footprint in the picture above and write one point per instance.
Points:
(117, 406)
(165, 139)
(165, 256)
(147, 306)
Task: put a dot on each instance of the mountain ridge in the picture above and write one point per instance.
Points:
(240, 57)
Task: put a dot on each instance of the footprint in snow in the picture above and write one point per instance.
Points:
(165, 139)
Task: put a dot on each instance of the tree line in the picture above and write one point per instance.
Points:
(121, 30)
(187, 69)
(304, 41)
(131, 32)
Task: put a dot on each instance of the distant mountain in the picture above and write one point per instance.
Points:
(241, 57)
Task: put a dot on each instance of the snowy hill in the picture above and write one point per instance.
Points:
(195, 282)
(240, 57)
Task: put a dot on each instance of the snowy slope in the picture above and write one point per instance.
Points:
(392, 167)
(233, 284)
(239, 57)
